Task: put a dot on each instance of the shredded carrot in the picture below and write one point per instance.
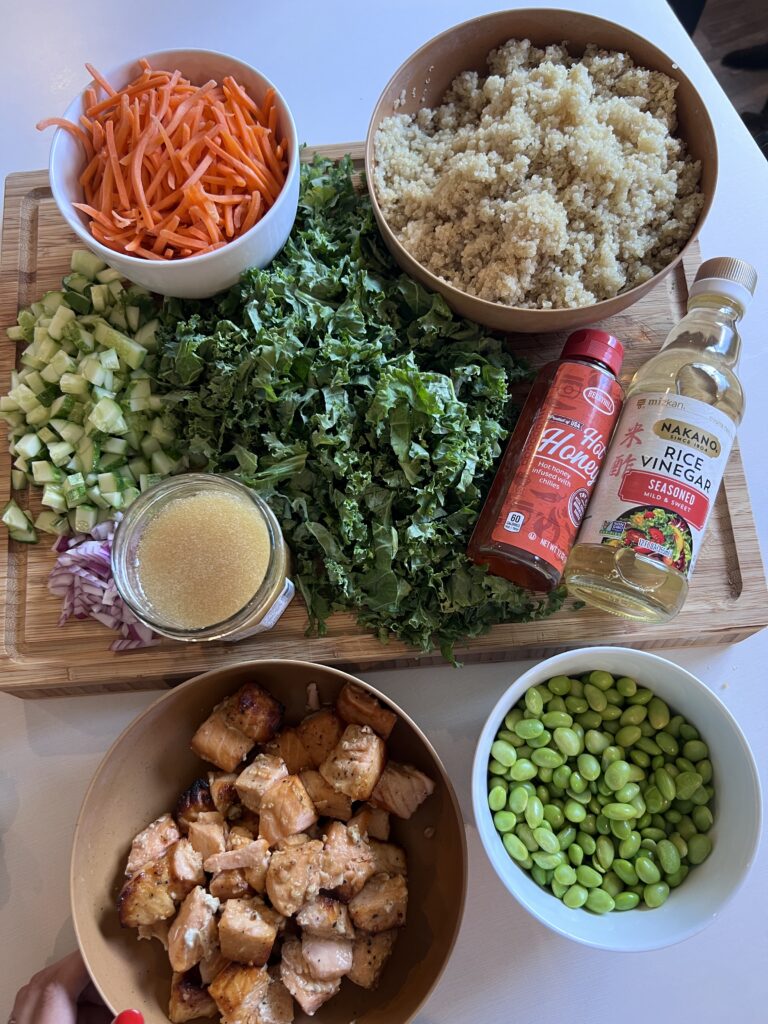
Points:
(174, 170)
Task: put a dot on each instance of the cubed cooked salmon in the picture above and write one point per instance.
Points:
(359, 707)
(223, 792)
(208, 835)
(255, 712)
(388, 858)
(151, 893)
(193, 934)
(354, 765)
(192, 803)
(294, 873)
(152, 842)
(309, 992)
(401, 789)
(189, 1000)
(276, 1006)
(381, 904)
(241, 816)
(237, 991)
(211, 965)
(328, 802)
(260, 775)
(371, 821)
(251, 858)
(327, 958)
(288, 747)
(369, 956)
(347, 861)
(327, 918)
(286, 809)
(229, 885)
(319, 733)
(247, 931)
(235, 725)
(219, 742)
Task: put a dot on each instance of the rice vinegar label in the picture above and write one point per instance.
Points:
(661, 478)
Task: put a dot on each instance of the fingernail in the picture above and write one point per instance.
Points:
(129, 1017)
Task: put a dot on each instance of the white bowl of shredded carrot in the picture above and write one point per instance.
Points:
(180, 169)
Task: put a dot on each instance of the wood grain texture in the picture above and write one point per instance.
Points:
(727, 601)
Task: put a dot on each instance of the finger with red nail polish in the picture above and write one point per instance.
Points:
(129, 1017)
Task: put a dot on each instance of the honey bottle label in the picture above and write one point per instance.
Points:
(661, 479)
(561, 458)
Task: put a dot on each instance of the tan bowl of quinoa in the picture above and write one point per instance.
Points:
(539, 186)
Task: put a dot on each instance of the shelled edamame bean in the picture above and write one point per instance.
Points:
(601, 792)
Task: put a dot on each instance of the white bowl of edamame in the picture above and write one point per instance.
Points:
(617, 798)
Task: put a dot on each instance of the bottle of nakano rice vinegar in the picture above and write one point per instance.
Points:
(645, 525)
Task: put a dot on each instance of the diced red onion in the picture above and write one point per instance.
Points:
(82, 577)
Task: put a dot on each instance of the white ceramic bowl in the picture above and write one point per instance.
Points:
(708, 887)
(195, 277)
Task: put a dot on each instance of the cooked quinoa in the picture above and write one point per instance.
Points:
(553, 182)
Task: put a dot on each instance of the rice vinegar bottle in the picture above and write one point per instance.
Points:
(645, 526)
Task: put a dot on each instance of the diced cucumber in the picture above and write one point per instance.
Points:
(46, 473)
(107, 416)
(75, 282)
(74, 490)
(133, 315)
(7, 404)
(113, 498)
(15, 518)
(94, 496)
(49, 522)
(73, 384)
(28, 536)
(60, 452)
(18, 479)
(33, 381)
(61, 318)
(13, 419)
(88, 455)
(63, 406)
(48, 396)
(149, 480)
(79, 303)
(116, 317)
(149, 445)
(110, 460)
(53, 497)
(26, 321)
(81, 338)
(138, 467)
(38, 416)
(101, 297)
(46, 435)
(29, 446)
(71, 432)
(51, 302)
(115, 285)
(92, 368)
(24, 397)
(86, 517)
(110, 360)
(85, 263)
(78, 413)
(147, 335)
(102, 392)
(110, 482)
(125, 347)
(108, 275)
(130, 494)
(46, 348)
(117, 445)
(61, 363)
(15, 333)
(162, 463)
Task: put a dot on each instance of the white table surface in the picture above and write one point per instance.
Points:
(331, 60)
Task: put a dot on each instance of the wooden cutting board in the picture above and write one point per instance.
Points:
(727, 601)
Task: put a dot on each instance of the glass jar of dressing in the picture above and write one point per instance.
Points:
(202, 557)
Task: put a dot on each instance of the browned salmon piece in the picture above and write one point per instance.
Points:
(388, 858)
(294, 873)
(358, 707)
(288, 747)
(237, 991)
(347, 861)
(286, 809)
(354, 765)
(309, 992)
(208, 836)
(220, 742)
(247, 931)
(401, 789)
(328, 802)
(223, 792)
(255, 712)
(229, 885)
(320, 732)
(152, 842)
(276, 1007)
(369, 956)
(211, 965)
(255, 780)
(381, 904)
(239, 836)
(371, 821)
(144, 898)
(192, 803)
(327, 918)
(185, 869)
(327, 958)
(189, 1000)
(241, 817)
(157, 930)
(250, 856)
(193, 934)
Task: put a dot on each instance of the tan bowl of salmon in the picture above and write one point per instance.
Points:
(286, 840)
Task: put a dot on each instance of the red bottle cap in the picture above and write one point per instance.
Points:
(598, 345)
